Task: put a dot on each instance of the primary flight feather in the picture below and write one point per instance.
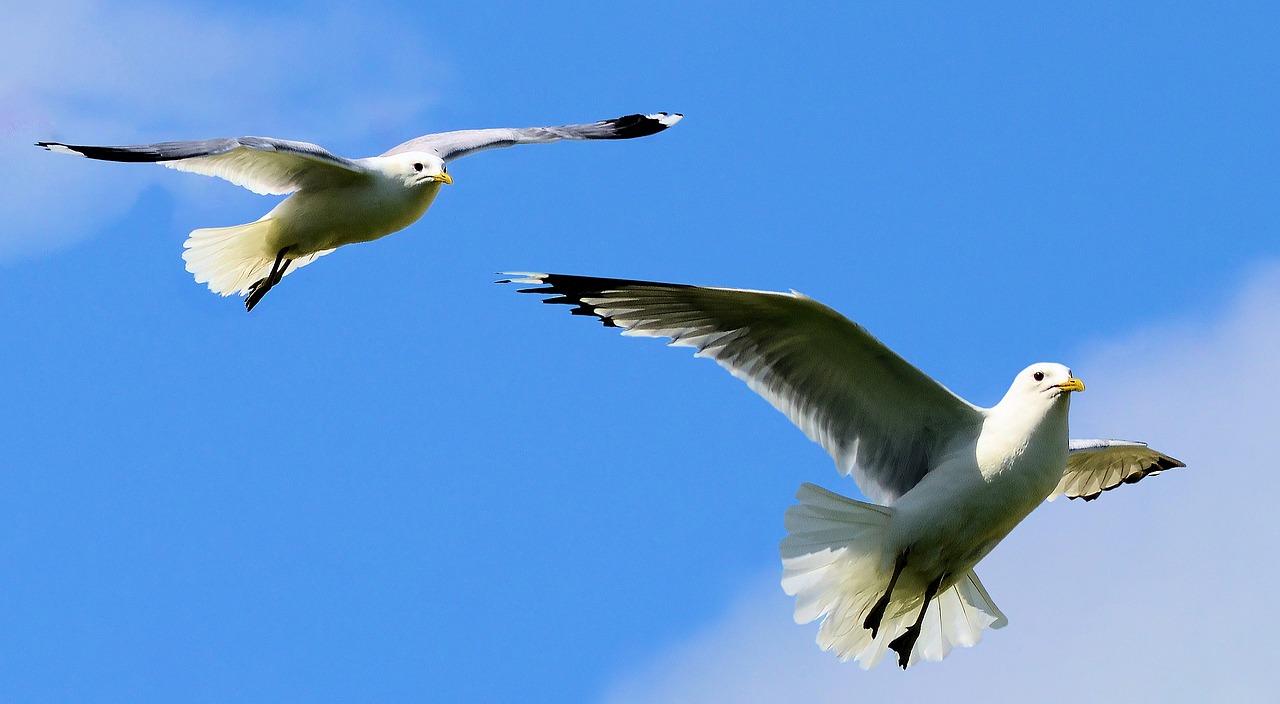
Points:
(953, 479)
(335, 201)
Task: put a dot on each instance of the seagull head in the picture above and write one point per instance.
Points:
(419, 168)
(1044, 380)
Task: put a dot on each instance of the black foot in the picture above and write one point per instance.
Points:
(903, 644)
(875, 616)
(257, 290)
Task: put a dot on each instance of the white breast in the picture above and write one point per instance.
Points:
(979, 492)
(312, 221)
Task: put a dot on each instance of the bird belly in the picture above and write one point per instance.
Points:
(327, 219)
(959, 513)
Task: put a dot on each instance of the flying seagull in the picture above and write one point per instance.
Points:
(951, 479)
(335, 200)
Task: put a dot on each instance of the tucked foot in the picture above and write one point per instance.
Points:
(259, 288)
(876, 615)
(903, 644)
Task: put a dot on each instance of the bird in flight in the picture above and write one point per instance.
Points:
(335, 200)
(952, 479)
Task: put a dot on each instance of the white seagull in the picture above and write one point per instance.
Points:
(335, 200)
(952, 479)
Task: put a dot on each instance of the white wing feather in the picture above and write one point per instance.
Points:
(880, 418)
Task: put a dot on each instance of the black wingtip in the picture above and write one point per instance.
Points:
(631, 126)
(564, 289)
(570, 290)
(144, 154)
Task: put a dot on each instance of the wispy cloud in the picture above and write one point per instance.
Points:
(1161, 591)
(111, 73)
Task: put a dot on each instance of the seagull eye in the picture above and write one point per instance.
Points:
(417, 167)
(1038, 376)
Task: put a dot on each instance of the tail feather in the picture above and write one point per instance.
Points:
(231, 259)
(956, 619)
(837, 565)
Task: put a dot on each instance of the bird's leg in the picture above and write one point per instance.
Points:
(283, 268)
(260, 287)
(876, 614)
(903, 644)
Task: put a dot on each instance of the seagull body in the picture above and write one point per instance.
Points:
(952, 479)
(391, 198)
(990, 477)
(333, 201)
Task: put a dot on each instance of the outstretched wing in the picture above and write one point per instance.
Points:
(261, 164)
(452, 145)
(881, 419)
(1095, 466)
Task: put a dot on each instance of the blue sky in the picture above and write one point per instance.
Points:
(395, 481)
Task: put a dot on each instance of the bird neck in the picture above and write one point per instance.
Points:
(1018, 426)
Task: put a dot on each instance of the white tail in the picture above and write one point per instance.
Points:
(230, 259)
(835, 562)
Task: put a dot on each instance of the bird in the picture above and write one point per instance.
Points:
(950, 479)
(334, 201)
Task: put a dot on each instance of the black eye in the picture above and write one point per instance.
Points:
(444, 169)
(1038, 376)
(417, 167)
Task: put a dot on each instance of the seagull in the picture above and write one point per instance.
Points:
(335, 200)
(951, 479)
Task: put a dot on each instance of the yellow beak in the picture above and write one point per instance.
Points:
(443, 178)
(1071, 384)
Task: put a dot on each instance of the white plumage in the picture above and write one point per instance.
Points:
(953, 478)
(833, 562)
(231, 259)
(335, 201)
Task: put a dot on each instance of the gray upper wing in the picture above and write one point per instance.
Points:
(261, 164)
(880, 418)
(452, 145)
(1095, 466)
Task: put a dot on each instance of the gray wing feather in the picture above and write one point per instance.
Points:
(1095, 466)
(454, 145)
(261, 164)
(880, 418)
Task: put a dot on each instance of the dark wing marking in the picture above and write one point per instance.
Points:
(261, 164)
(453, 145)
(1095, 466)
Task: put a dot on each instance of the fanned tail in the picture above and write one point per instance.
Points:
(231, 259)
(836, 564)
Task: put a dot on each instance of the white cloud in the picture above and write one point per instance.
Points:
(113, 73)
(1160, 591)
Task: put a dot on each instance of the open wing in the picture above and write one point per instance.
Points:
(881, 419)
(261, 164)
(1095, 466)
(452, 145)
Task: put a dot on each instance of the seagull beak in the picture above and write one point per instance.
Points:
(443, 178)
(1071, 384)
